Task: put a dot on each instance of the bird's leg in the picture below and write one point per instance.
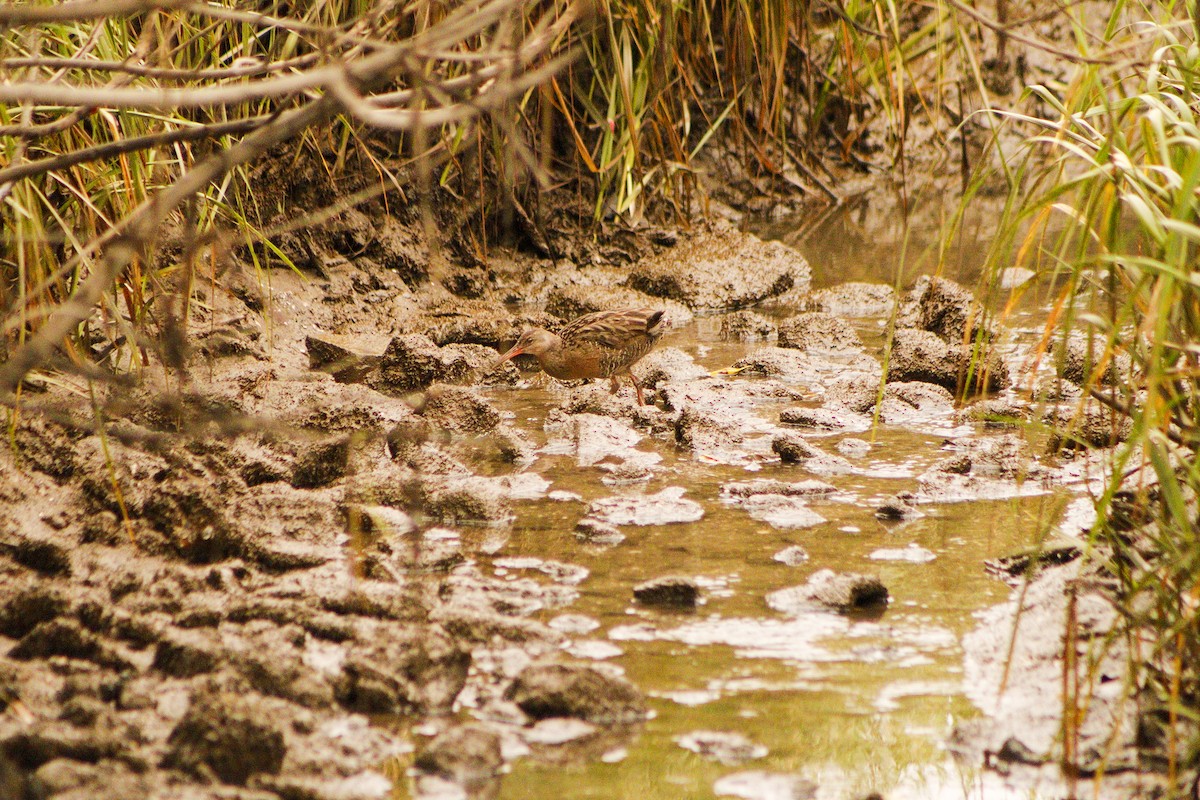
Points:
(637, 388)
(613, 385)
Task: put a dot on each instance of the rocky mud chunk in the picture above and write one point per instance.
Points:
(347, 360)
(667, 364)
(856, 393)
(459, 409)
(30, 746)
(919, 355)
(898, 508)
(29, 605)
(998, 412)
(668, 591)
(1096, 425)
(781, 511)
(707, 430)
(821, 419)
(422, 670)
(569, 302)
(914, 401)
(721, 269)
(843, 592)
(322, 462)
(187, 653)
(816, 330)
(39, 553)
(786, 364)
(471, 322)
(469, 283)
(320, 404)
(853, 300)
(466, 755)
(794, 449)
(746, 326)
(465, 499)
(66, 637)
(398, 246)
(598, 531)
(792, 556)
(944, 308)
(567, 690)
(414, 361)
(513, 446)
(1079, 362)
(233, 734)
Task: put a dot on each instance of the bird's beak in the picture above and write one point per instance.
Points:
(515, 351)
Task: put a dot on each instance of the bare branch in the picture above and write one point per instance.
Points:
(110, 149)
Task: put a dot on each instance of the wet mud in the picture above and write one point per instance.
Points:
(274, 573)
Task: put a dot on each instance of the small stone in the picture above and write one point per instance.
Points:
(854, 448)
(467, 755)
(670, 591)
(898, 508)
(234, 735)
(844, 592)
(598, 531)
(563, 690)
(792, 556)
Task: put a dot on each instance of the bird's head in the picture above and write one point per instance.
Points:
(534, 341)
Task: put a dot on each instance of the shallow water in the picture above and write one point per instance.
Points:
(857, 705)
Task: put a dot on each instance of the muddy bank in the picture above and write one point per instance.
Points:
(220, 587)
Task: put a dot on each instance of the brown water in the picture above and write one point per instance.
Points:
(857, 705)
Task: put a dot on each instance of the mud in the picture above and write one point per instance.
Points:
(224, 585)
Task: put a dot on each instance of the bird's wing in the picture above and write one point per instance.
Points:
(615, 328)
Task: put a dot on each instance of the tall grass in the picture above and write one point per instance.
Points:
(1105, 200)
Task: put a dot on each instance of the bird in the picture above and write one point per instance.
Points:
(603, 344)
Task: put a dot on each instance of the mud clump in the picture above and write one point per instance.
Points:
(853, 300)
(919, 355)
(668, 592)
(337, 357)
(944, 308)
(414, 362)
(563, 690)
(576, 300)
(467, 755)
(423, 671)
(1096, 425)
(842, 592)
(1079, 361)
(721, 269)
(233, 735)
(746, 326)
(817, 330)
(459, 409)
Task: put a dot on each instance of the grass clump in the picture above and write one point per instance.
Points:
(1105, 201)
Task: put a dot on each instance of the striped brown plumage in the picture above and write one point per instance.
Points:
(600, 345)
